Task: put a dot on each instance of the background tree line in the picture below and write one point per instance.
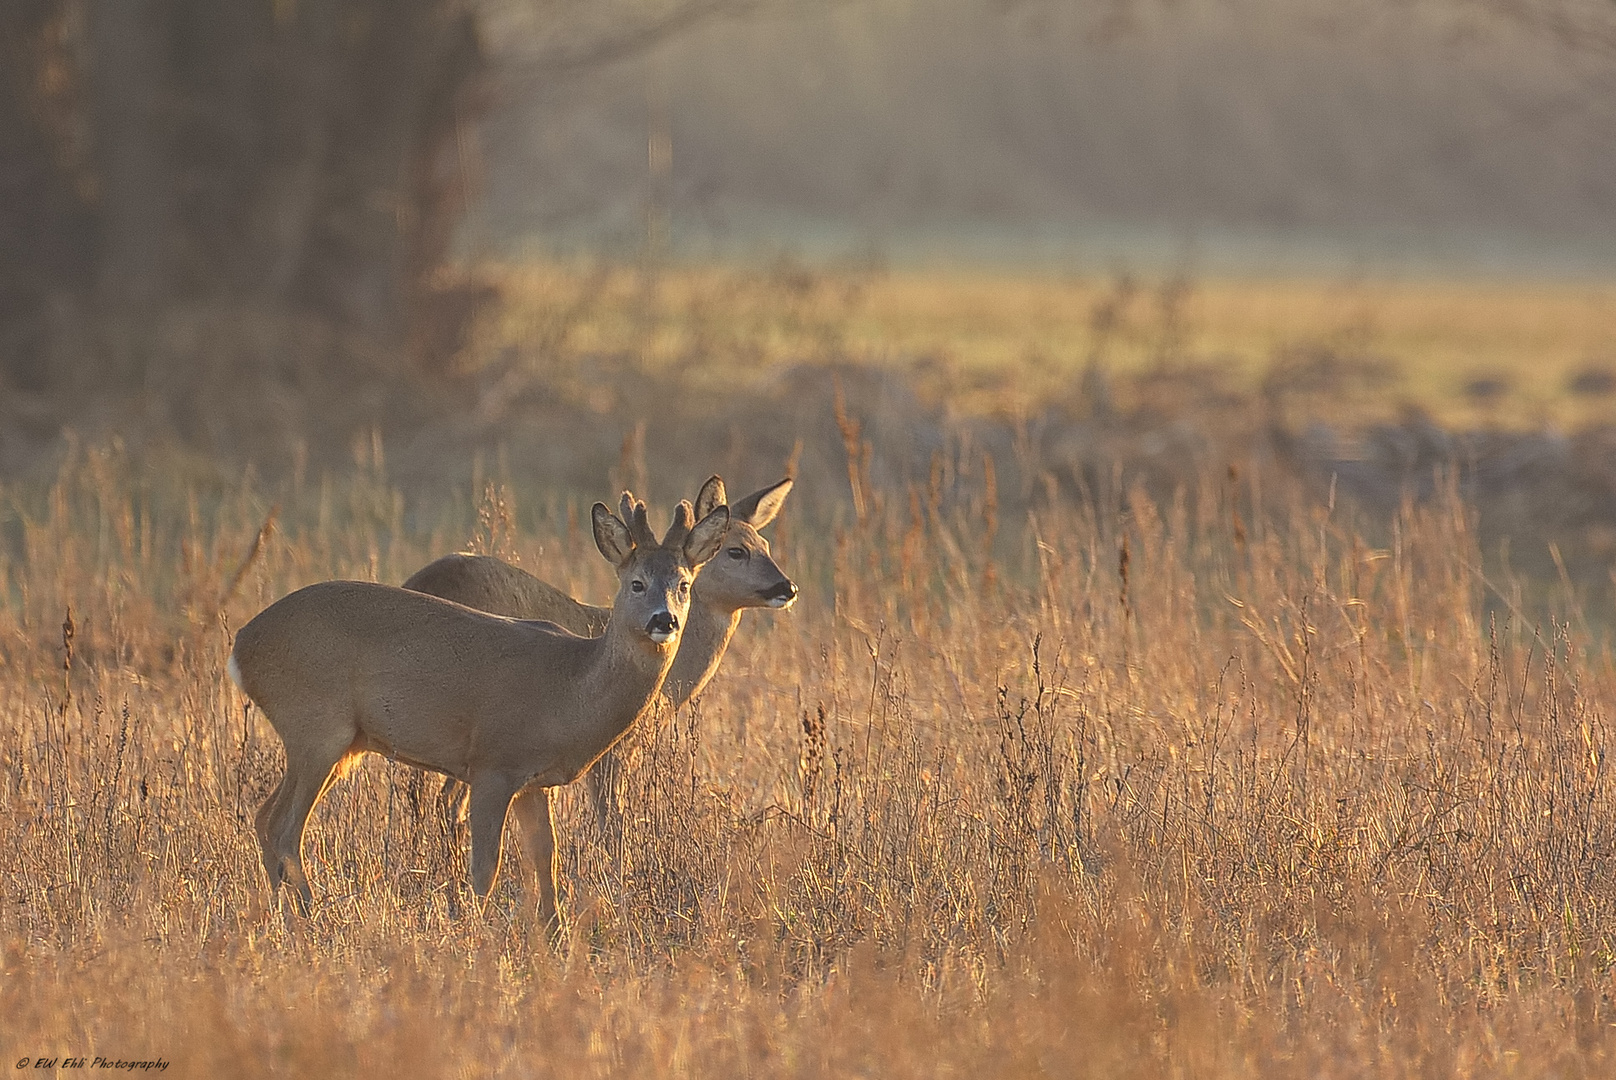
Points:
(292, 155)
(289, 156)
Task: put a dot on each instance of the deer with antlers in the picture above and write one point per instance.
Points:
(742, 576)
(506, 706)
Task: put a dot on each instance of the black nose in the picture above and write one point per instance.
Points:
(786, 590)
(662, 622)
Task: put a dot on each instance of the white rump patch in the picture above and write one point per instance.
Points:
(235, 672)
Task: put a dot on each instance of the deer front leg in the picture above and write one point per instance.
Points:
(490, 799)
(532, 807)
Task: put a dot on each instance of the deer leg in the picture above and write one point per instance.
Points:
(310, 770)
(262, 826)
(490, 800)
(452, 803)
(601, 780)
(532, 807)
(452, 799)
(286, 819)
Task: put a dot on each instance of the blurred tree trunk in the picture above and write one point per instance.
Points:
(290, 155)
(46, 230)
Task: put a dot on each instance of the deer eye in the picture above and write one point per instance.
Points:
(684, 588)
(636, 586)
(737, 553)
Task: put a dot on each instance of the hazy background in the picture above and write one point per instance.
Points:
(1246, 134)
(621, 240)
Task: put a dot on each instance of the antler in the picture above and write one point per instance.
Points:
(633, 515)
(683, 519)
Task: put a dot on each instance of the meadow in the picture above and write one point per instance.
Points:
(1478, 351)
(1103, 739)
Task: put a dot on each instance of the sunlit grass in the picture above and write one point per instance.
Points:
(1476, 352)
(1213, 787)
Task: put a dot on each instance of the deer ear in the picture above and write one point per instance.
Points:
(611, 536)
(707, 537)
(761, 507)
(711, 497)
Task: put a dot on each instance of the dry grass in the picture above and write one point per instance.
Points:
(1205, 786)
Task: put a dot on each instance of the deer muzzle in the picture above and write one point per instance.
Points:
(661, 627)
(782, 595)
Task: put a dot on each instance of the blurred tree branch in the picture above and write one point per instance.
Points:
(566, 37)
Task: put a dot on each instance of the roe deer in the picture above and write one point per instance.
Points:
(742, 576)
(505, 706)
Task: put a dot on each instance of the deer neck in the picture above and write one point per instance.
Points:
(708, 629)
(621, 685)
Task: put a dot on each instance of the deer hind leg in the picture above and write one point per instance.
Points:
(601, 780)
(310, 771)
(262, 826)
(490, 801)
(532, 808)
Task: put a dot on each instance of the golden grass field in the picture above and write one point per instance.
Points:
(1010, 339)
(1216, 779)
